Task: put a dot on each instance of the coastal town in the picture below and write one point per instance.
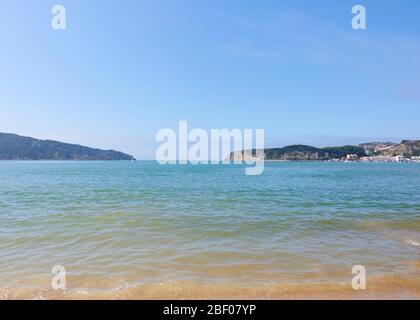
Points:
(378, 158)
(408, 151)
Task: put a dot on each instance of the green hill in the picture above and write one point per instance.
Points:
(307, 153)
(14, 147)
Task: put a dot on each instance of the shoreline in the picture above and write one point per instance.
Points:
(385, 288)
(198, 291)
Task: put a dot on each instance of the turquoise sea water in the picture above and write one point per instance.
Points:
(119, 224)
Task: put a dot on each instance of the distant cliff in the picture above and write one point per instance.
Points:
(14, 147)
(305, 153)
(372, 147)
(407, 148)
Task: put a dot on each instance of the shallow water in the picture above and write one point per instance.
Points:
(134, 230)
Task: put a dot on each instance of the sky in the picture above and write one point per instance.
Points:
(122, 70)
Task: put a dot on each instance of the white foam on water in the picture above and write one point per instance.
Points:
(413, 243)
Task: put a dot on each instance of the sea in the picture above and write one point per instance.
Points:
(141, 230)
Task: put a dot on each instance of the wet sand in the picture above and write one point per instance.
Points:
(379, 288)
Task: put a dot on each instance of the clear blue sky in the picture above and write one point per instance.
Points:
(125, 69)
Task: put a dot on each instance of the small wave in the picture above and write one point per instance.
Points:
(413, 243)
